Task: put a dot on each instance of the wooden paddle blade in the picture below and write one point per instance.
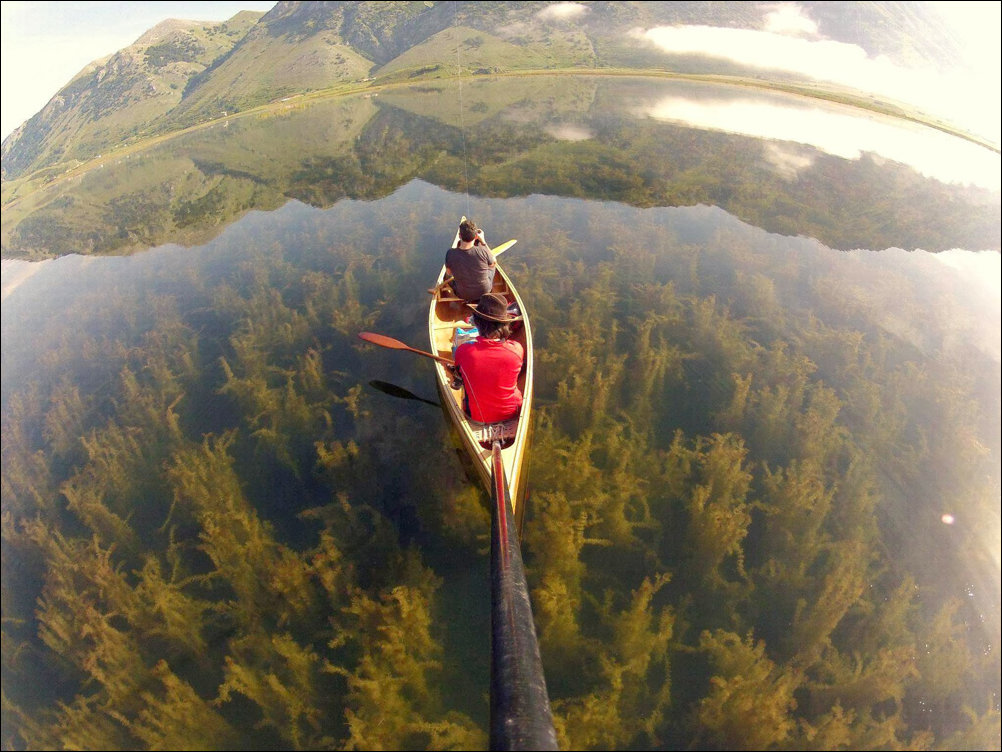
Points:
(440, 285)
(503, 247)
(383, 341)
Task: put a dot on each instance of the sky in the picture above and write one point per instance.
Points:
(55, 40)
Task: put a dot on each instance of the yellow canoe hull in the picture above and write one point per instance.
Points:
(446, 313)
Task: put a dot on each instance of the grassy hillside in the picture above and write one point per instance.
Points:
(269, 67)
(463, 51)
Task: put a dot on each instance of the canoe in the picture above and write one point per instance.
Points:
(446, 315)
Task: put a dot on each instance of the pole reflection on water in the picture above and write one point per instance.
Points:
(520, 706)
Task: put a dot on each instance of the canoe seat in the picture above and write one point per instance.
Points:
(486, 433)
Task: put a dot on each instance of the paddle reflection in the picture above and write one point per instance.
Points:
(398, 391)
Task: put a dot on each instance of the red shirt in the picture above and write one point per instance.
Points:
(490, 369)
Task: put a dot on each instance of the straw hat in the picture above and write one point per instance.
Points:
(494, 307)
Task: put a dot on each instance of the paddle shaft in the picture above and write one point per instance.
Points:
(394, 344)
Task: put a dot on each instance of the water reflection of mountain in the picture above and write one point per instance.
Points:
(596, 138)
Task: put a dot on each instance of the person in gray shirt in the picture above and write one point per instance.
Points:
(471, 263)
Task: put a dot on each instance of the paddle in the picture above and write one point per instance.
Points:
(503, 247)
(496, 251)
(395, 344)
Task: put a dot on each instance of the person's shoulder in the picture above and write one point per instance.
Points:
(515, 347)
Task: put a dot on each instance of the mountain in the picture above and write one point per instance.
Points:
(183, 73)
(123, 95)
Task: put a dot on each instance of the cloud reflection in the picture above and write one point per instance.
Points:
(981, 269)
(13, 272)
(845, 133)
(787, 160)
(569, 132)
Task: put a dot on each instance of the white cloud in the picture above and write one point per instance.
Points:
(976, 26)
(561, 11)
(789, 19)
(970, 102)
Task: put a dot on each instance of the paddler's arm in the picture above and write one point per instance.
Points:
(481, 241)
(493, 262)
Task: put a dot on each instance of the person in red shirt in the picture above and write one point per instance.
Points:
(489, 365)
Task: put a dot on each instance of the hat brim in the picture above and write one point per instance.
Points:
(507, 320)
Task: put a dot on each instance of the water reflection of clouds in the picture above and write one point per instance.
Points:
(787, 159)
(13, 272)
(968, 98)
(845, 134)
(569, 132)
(982, 269)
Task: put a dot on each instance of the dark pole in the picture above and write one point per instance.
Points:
(520, 708)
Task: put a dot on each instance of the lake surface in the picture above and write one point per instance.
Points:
(764, 484)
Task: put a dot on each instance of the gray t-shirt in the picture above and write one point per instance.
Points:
(472, 271)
